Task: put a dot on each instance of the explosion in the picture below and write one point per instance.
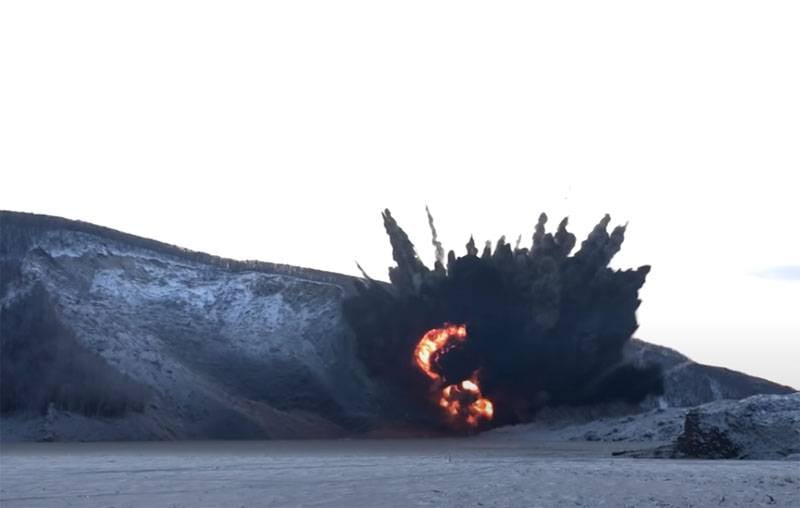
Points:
(547, 327)
(462, 402)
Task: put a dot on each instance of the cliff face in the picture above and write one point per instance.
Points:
(106, 335)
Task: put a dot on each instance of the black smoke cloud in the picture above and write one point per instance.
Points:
(545, 328)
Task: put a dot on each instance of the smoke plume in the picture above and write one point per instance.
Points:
(545, 327)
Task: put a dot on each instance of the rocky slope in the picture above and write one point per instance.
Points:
(106, 335)
(206, 347)
(757, 427)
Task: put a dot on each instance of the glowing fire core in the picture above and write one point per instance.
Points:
(463, 401)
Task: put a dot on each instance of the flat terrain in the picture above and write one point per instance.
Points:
(385, 473)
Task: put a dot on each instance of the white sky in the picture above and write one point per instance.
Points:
(279, 130)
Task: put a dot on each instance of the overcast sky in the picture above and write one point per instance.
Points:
(279, 130)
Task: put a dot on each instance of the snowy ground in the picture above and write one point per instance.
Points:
(482, 471)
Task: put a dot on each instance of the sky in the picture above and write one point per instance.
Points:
(279, 130)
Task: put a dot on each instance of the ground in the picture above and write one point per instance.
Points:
(481, 471)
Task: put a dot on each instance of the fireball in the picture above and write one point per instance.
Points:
(462, 402)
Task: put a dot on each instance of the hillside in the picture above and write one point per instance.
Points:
(106, 335)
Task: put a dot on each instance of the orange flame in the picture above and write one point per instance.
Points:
(463, 401)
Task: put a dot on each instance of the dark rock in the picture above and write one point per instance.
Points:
(707, 442)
